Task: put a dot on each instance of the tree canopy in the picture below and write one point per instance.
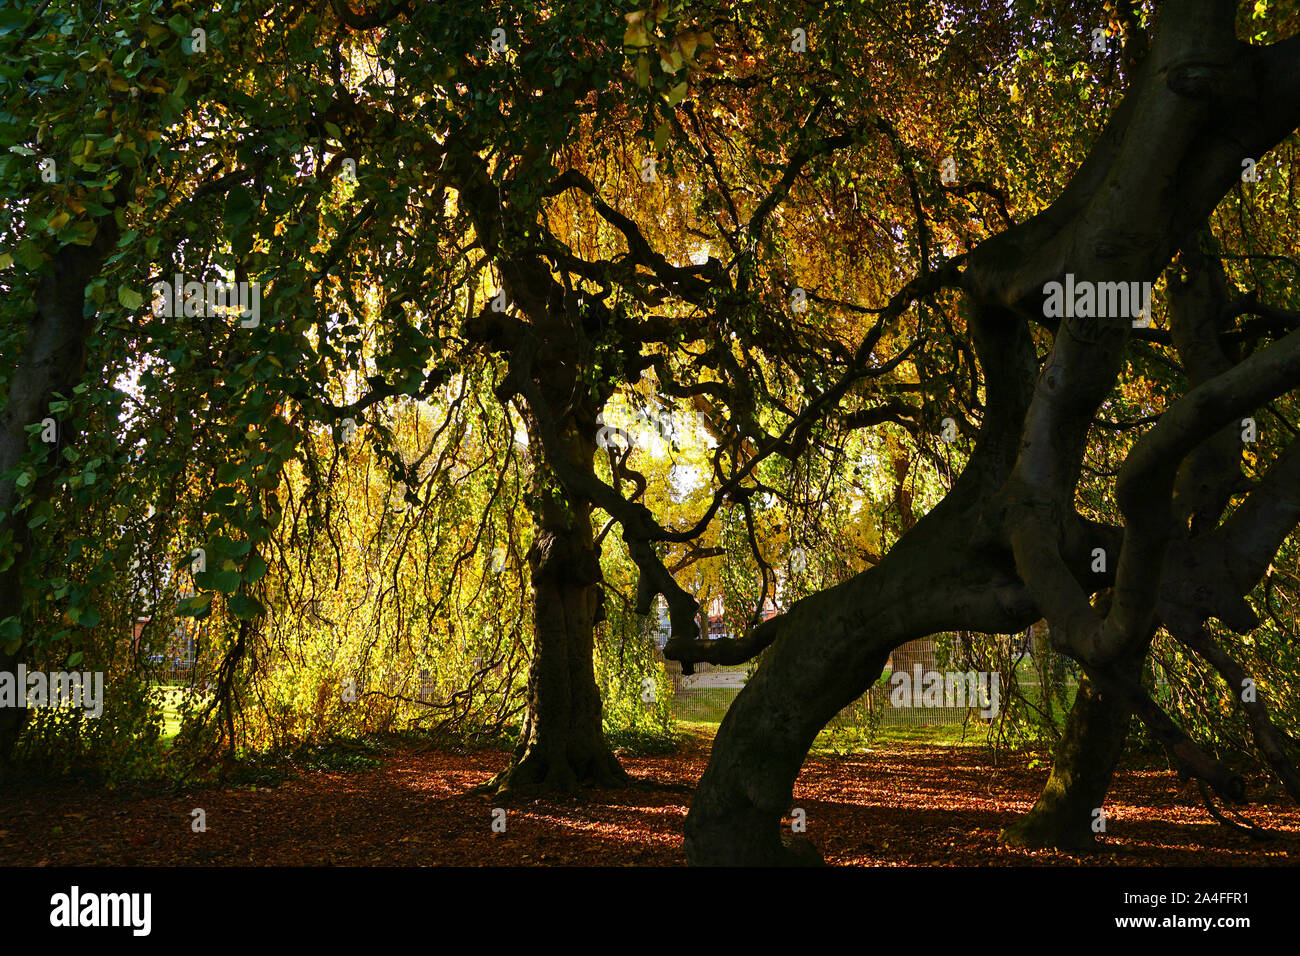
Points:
(413, 355)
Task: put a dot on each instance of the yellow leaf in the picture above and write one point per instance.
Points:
(636, 36)
(6, 260)
(59, 221)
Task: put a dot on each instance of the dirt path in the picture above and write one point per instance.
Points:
(888, 808)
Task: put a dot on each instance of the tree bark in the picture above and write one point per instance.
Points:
(1095, 732)
(831, 647)
(53, 361)
(944, 574)
(1084, 763)
(562, 745)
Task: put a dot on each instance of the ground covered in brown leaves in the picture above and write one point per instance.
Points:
(897, 807)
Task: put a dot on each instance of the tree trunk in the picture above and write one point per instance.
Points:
(562, 746)
(1084, 762)
(53, 361)
(831, 647)
(735, 818)
(11, 719)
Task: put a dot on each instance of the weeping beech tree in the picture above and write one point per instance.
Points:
(586, 256)
(1006, 545)
(696, 204)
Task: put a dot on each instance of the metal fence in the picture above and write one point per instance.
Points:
(706, 695)
(174, 664)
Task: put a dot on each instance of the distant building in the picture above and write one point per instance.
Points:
(716, 628)
(174, 653)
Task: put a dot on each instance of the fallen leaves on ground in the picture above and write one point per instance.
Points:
(898, 807)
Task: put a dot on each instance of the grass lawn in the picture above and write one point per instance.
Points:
(171, 696)
(706, 714)
(700, 711)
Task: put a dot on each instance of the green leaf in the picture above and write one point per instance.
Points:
(129, 298)
(40, 514)
(28, 254)
(75, 658)
(255, 568)
(11, 635)
(11, 19)
(245, 608)
(227, 582)
(239, 206)
(197, 606)
(223, 496)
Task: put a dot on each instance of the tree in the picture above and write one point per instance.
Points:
(65, 180)
(1007, 540)
(573, 315)
(715, 209)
